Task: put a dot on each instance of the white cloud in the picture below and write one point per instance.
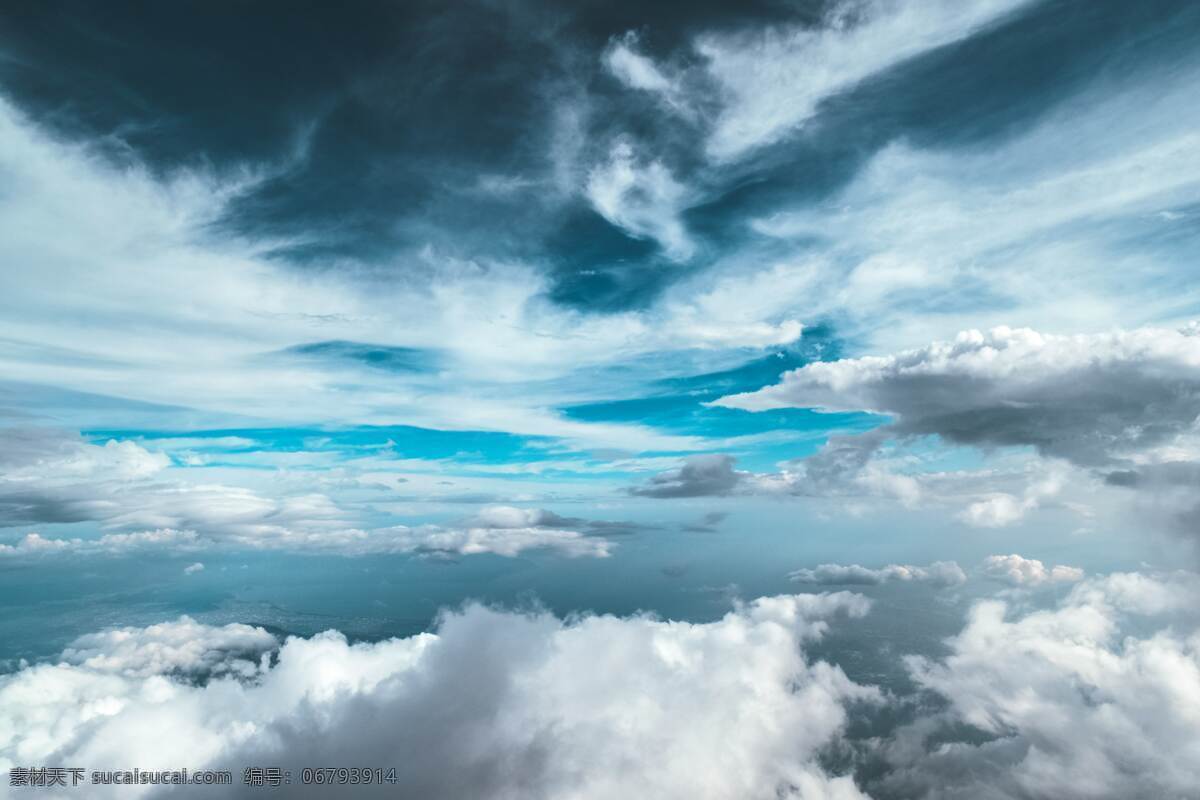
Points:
(511, 517)
(504, 541)
(642, 198)
(33, 544)
(1093, 698)
(634, 69)
(1079, 706)
(773, 80)
(494, 703)
(1021, 571)
(182, 647)
(426, 539)
(158, 312)
(193, 568)
(999, 508)
(54, 477)
(939, 573)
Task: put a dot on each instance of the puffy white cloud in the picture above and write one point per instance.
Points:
(494, 703)
(939, 573)
(193, 568)
(1020, 571)
(181, 647)
(512, 517)
(1096, 697)
(1075, 703)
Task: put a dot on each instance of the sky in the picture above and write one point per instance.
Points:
(786, 398)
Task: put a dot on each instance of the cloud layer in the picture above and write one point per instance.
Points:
(499, 703)
(1093, 697)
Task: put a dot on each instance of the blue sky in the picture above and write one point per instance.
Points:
(341, 317)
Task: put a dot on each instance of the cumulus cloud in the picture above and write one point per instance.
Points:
(1122, 404)
(939, 573)
(1020, 571)
(1090, 399)
(1071, 701)
(183, 647)
(193, 568)
(494, 703)
(1095, 697)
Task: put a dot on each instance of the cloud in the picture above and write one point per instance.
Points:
(999, 509)
(635, 70)
(496, 703)
(1123, 404)
(1091, 698)
(52, 476)
(1077, 701)
(506, 540)
(511, 517)
(34, 544)
(773, 79)
(939, 573)
(844, 466)
(645, 200)
(180, 648)
(248, 315)
(1091, 399)
(700, 476)
(1021, 571)
(193, 568)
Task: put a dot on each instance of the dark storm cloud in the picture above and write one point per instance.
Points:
(473, 127)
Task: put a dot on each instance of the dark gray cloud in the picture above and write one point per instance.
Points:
(1124, 405)
(515, 103)
(706, 475)
(1092, 400)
